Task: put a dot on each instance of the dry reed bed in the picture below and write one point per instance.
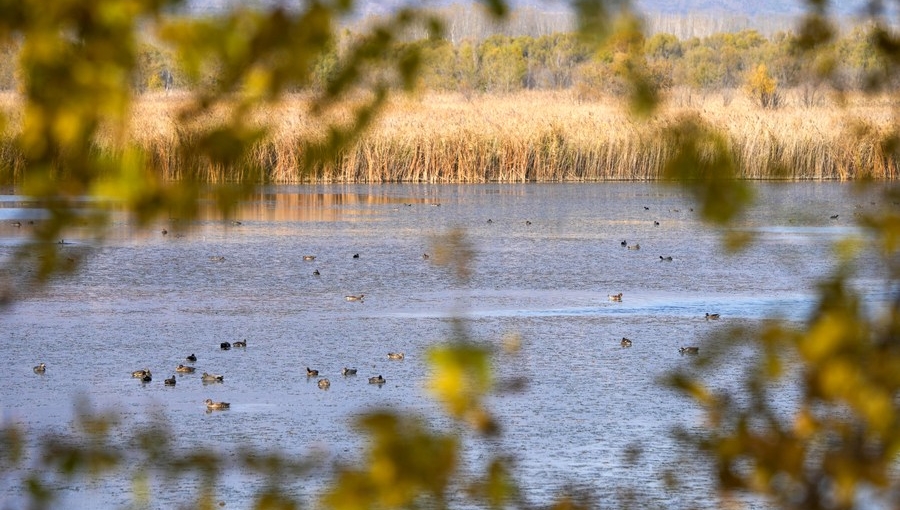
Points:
(530, 136)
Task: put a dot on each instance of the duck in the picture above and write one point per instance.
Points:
(356, 255)
(192, 358)
(667, 259)
(225, 346)
(354, 298)
(185, 369)
(377, 380)
(240, 343)
(140, 373)
(615, 297)
(624, 242)
(527, 222)
(689, 350)
(634, 247)
(626, 342)
(425, 256)
(712, 316)
(655, 223)
(170, 381)
(311, 373)
(309, 257)
(316, 273)
(395, 355)
(834, 216)
(147, 378)
(40, 369)
(164, 232)
(217, 405)
(324, 383)
(348, 371)
(217, 258)
(212, 377)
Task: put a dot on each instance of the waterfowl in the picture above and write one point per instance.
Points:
(646, 208)
(316, 273)
(356, 255)
(170, 381)
(689, 350)
(217, 258)
(626, 342)
(377, 380)
(354, 298)
(192, 357)
(236, 223)
(527, 222)
(324, 383)
(225, 346)
(395, 355)
(615, 297)
(240, 343)
(212, 377)
(217, 405)
(834, 217)
(140, 373)
(348, 371)
(185, 369)
(16, 224)
(40, 369)
(634, 247)
(712, 316)
(165, 232)
(624, 242)
(424, 256)
(311, 373)
(309, 257)
(147, 378)
(490, 220)
(667, 259)
(655, 223)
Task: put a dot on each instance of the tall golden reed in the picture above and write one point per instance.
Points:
(522, 137)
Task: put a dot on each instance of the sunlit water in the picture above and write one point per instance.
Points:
(144, 299)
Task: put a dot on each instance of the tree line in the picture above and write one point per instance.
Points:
(565, 60)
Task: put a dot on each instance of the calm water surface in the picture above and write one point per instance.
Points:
(148, 300)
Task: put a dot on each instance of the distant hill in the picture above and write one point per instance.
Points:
(682, 18)
(744, 8)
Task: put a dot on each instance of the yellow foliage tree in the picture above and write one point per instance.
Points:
(763, 88)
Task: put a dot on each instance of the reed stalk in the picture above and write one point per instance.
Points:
(523, 137)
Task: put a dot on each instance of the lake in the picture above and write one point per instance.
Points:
(545, 258)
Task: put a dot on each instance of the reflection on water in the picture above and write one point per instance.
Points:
(593, 415)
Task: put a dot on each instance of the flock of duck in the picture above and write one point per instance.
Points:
(681, 350)
(618, 298)
(146, 376)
